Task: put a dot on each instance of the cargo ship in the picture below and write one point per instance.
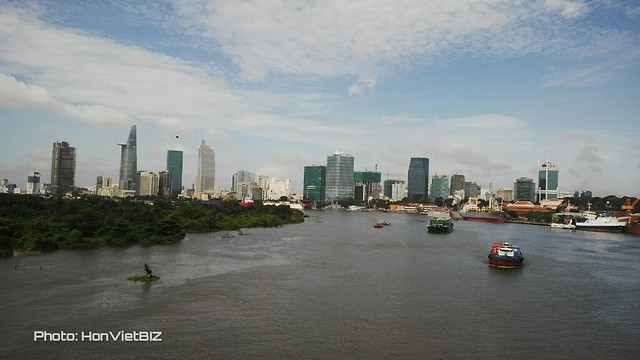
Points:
(492, 213)
(440, 223)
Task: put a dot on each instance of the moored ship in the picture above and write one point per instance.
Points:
(505, 255)
(602, 223)
(471, 211)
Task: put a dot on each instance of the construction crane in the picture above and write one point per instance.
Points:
(628, 206)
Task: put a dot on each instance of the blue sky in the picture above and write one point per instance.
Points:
(484, 88)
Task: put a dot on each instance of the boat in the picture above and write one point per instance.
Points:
(566, 224)
(505, 255)
(440, 223)
(471, 211)
(440, 226)
(378, 225)
(601, 222)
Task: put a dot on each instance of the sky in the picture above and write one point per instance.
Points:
(484, 88)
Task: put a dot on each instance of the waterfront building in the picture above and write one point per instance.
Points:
(547, 181)
(457, 183)
(367, 185)
(165, 182)
(174, 166)
(129, 162)
(524, 189)
(439, 186)
(418, 178)
(146, 183)
(33, 183)
(63, 168)
(339, 177)
(314, 183)
(205, 177)
(278, 188)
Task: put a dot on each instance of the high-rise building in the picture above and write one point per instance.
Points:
(339, 177)
(505, 194)
(387, 188)
(33, 183)
(471, 189)
(369, 184)
(63, 168)
(524, 189)
(239, 181)
(174, 166)
(418, 178)
(398, 191)
(457, 183)
(439, 186)
(146, 183)
(314, 183)
(129, 162)
(547, 181)
(164, 184)
(205, 178)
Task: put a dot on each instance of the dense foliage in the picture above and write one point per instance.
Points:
(35, 223)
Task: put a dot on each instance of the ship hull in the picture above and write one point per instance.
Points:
(506, 261)
(483, 217)
(601, 228)
(633, 229)
(440, 229)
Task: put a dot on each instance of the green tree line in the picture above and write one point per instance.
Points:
(30, 222)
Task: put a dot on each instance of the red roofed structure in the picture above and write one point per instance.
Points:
(523, 207)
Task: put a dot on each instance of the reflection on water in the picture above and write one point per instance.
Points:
(335, 287)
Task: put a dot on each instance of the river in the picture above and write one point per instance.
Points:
(333, 287)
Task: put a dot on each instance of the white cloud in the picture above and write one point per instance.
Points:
(362, 86)
(361, 38)
(17, 94)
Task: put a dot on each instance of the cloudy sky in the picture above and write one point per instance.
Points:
(484, 88)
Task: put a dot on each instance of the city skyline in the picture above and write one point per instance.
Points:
(490, 90)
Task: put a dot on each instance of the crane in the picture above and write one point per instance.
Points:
(628, 206)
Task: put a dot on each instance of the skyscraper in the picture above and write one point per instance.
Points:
(367, 185)
(418, 178)
(547, 181)
(63, 168)
(524, 189)
(146, 183)
(205, 178)
(129, 162)
(174, 166)
(239, 178)
(314, 183)
(439, 186)
(457, 183)
(339, 177)
(33, 183)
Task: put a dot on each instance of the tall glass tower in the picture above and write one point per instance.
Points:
(129, 162)
(174, 166)
(418, 178)
(547, 181)
(63, 168)
(314, 183)
(205, 178)
(339, 177)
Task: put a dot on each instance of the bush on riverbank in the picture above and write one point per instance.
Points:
(35, 223)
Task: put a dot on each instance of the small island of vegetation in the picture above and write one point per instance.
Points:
(29, 222)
